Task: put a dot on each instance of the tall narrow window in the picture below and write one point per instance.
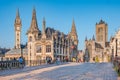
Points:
(30, 38)
(48, 48)
(38, 49)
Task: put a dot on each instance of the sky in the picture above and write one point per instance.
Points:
(59, 15)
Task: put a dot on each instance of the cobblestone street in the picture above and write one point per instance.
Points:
(68, 71)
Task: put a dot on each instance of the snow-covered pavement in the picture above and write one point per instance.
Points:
(68, 71)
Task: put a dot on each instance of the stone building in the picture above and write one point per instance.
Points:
(2, 52)
(19, 49)
(100, 47)
(115, 44)
(80, 55)
(47, 43)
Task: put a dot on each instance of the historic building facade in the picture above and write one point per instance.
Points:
(48, 42)
(42, 44)
(115, 44)
(100, 47)
(18, 50)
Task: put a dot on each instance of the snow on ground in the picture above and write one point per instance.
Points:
(68, 71)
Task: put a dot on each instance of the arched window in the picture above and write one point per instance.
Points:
(30, 38)
(17, 34)
(100, 30)
(38, 49)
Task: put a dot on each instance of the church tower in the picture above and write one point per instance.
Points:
(73, 34)
(17, 30)
(101, 32)
(32, 34)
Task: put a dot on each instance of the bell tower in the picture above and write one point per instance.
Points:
(17, 25)
(73, 33)
(101, 32)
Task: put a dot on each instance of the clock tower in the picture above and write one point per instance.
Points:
(17, 30)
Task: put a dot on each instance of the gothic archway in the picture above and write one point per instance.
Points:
(90, 50)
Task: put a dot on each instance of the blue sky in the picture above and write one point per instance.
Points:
(59, 15)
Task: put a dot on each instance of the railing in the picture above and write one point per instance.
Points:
(15, 64)
(9, 64)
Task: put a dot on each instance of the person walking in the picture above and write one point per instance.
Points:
(58, 60)
(20, 62)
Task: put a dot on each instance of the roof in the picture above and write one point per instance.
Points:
(107, 44)
(3, 50)
(97, 45)
(17, 51)
(50, 31)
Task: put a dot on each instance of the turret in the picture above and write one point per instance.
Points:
(17, 25)
(33, 30)
(43, 28)
(73, 34)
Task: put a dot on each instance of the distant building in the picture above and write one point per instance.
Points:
(42, 44)
(100, 47)
(80, 55)
(115, 44)
(2, 52)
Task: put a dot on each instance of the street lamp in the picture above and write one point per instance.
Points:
(116, 48)
(30, 54)
(22, 47)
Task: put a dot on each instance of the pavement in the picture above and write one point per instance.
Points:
(64, 71)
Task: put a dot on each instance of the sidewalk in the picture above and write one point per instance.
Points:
(26, 69)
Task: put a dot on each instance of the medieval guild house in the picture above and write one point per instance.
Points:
(47, 43)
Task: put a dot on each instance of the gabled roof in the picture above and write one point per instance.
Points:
(97, 45)
(34, 25)
(107, 44)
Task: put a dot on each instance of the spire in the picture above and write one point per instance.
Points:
(86, 38)
(17, 19)
(17, 14)
(93, 38)
(34, 14)
(34, 25)
(101, 22)
(73, 30)
(44, 26)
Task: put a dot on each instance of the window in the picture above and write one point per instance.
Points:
(17, 34)
(38, 49)
(48, 36)
(101, 38)
(30, 38)
(100, 30)
(48, 48)
(17, 44)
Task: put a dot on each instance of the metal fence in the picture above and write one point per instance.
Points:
(4, 65)
(9, 64)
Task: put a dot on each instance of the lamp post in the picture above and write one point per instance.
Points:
(116, 54)
(102, 56)
(116, 49)
(22, 47)
(112, 56)
(30, 54)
